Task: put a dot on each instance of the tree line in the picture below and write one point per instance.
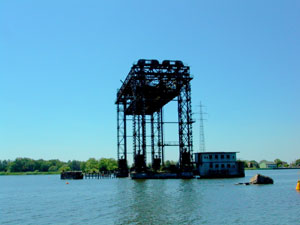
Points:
(279, 163)
(94, 165)
(55, 165)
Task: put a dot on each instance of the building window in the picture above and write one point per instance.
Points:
(233, 156)
(228, 165)
(217, 166)
(222, 166)
(233, 166)
(210, 165)
(222, 156)
(216, 157)
(228, 156)
(210, 156)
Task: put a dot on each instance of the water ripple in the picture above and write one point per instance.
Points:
(48, 200)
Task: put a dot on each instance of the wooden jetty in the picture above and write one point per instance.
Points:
(99, 175)
(162, 175)
(78, 175)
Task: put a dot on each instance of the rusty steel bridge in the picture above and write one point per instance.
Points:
(148, 87)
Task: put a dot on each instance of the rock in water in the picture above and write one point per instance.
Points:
(260, 179)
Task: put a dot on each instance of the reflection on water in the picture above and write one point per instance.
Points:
(48, 200)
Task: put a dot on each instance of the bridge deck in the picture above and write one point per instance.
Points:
(150, 85)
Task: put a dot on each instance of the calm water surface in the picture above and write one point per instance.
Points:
(49, 200)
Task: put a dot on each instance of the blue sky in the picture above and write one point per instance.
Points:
(61, 63)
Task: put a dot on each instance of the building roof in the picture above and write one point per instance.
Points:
(214, 152)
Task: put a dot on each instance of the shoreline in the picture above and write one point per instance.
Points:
(295, 168)
(28, 173)
(58, 173)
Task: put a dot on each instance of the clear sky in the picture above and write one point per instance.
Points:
(61, 63)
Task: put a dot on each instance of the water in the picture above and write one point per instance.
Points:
(49, 200)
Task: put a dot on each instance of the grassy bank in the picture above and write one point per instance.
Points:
(263, 168)
(258, 168)
(28, 173)
(281, 168)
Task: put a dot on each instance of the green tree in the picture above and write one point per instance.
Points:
(108, 164)
(37, 164)
(53, 169)
(278, 162)
(56, 162)
(74, 165)
(169, 163)
(112, 164)
(45, 165)
(92, 165)
(53, 165)
(83, 166)
(246, 165)
(243, 161)
(22, 165)
(64, 168)
(297, 162)
(29, 165)
(4, 165)
(254, 164)
(170, 166)
(17, 165)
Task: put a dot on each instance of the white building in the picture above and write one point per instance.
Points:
(268, 165)
(218, 164)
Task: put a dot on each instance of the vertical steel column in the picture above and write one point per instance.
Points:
(185, 126)
(144, 144)
(162, 148)
(180, 128)
(134, 134)
(118, 130)
(125, 131)
(152, 138)
(156, 140)
(189, 118)
(122, 140)
(135, 124)
(121, 133)
(138, 136)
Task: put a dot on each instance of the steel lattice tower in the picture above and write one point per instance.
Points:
(147, 88)
(201, 130)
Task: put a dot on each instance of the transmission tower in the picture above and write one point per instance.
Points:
(201, 130)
